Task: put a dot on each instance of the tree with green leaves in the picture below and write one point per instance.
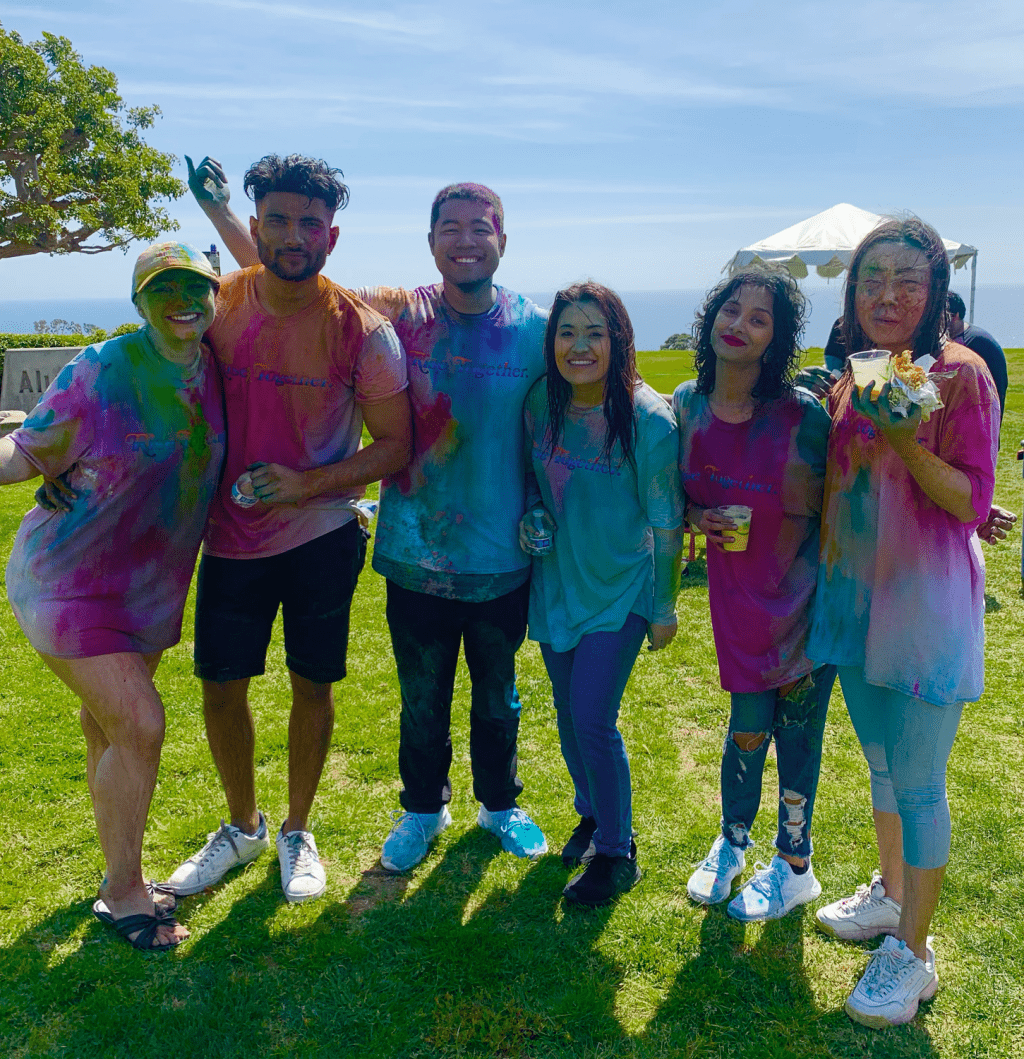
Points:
(83, 179)
(680, 341)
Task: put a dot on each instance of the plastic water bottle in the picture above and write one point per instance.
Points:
(538, 532)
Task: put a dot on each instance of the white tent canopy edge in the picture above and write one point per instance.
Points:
(826, 242)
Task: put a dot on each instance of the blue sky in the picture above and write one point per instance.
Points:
(639, 145)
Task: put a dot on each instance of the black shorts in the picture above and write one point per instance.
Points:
(237, 601)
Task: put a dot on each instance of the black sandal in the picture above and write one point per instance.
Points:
(142, 926)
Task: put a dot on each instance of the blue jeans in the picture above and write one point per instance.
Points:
(796, 720)
(588, 682)
(907, 743)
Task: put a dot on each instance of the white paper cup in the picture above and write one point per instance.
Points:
(741, 515)
(868, 367)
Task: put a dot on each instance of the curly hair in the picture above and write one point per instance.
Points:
(911, 231)
(298, 174)
(781, 359)
(471, 193)
(619, 384)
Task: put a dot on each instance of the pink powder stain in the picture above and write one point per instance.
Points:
(431, 424)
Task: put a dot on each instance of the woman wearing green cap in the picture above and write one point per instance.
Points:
(135, 428)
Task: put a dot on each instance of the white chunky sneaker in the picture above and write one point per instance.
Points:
(302, 874)
(868, 913)
(228, 847)
(410, 838)
(895, 982)
(712, 881)
(774, 891)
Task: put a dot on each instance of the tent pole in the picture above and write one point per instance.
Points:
(974, 273)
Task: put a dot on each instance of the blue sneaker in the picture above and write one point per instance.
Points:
(712, 881)
(518, 834)
(773, 891)
(410, 838)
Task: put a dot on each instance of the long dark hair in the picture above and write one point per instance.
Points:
(619, 409)
(781, 359)
(911, 231)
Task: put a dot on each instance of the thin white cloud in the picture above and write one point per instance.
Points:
(379, 23)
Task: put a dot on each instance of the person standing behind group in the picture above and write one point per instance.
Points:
(900, 602)
(979, 341)
(305, 366)
(447, 529)
(748, 437)
(605, 495)
(134, 430)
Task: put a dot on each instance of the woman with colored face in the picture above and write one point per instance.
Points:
(900, 599)
(133, 428)
(752, 460)
(604, 527)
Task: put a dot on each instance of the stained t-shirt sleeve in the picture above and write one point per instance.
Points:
(970, 432)
(380, 366)
(658, 473)
(61, 427)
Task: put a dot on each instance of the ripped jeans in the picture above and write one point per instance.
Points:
(796, 721)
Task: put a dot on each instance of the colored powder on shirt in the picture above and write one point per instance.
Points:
(293, 386)
(449, 523)
(901, 588)
(601, 567)
(774, 463)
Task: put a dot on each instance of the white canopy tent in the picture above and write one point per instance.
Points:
(827, 240)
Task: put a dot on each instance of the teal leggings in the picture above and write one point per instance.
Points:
(907, 742)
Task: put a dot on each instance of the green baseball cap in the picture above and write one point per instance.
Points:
(162, 257)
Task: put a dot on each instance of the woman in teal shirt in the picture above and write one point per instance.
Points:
(601, 468)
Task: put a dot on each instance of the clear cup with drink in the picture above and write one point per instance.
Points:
(871, 365)
(739, 514)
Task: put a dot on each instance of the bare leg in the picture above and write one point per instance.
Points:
(231, 734)
(889, 832)
(124, 734)
(922, 887)
(309, 740)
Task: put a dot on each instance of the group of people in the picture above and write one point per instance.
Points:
(531, 484)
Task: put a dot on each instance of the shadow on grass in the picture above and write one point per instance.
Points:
(732, 995)
(403, 966)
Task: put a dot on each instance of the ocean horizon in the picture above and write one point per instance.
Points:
(656, 314)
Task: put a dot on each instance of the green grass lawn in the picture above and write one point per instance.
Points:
(473, 953)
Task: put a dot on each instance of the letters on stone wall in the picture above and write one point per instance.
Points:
(28, 373)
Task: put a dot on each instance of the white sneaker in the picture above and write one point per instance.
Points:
(302, 875)
(712, 881)
(895, 982)
(868, 913)
(228, 847)
(774, 891)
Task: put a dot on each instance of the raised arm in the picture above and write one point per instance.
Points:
(209, 185)
(390, 425)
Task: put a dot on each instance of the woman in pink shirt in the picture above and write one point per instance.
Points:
(901, 594)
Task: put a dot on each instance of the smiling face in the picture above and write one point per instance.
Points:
(293, 234)
(893, 283)
(744, 327)
(178, 307)
(466, 244)
(583, 350)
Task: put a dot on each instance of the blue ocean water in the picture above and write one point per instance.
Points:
(999, 308)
